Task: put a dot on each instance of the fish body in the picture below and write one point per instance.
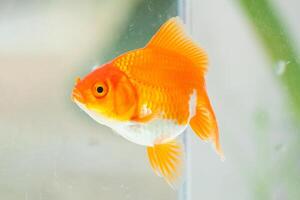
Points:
(150, 95)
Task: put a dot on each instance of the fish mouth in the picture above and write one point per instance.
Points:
(77, 96)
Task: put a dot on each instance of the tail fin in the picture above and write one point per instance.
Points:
(204, 123)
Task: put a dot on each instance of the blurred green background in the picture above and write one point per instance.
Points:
(52, 150)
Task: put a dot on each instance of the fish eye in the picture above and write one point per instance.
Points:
(99, 90)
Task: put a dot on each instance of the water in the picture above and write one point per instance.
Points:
(52, 150)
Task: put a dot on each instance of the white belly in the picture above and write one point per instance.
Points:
(150, 133)
(153, 132)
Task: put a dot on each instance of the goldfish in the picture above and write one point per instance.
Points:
(151, 95)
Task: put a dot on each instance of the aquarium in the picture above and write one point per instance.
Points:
(51, 150)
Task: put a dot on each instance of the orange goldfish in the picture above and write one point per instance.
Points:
(150, 95)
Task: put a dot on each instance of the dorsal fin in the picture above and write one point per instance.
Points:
(171, 36)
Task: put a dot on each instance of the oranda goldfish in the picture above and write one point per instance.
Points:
(150, 95)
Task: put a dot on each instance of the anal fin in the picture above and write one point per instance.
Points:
(166, 160)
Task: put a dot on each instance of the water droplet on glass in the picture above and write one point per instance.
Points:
(279, 147)
(280, 67)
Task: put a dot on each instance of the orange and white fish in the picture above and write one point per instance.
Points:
(150, 95)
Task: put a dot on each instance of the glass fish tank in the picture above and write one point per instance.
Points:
(149, 99)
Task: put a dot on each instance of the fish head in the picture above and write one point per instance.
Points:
(106, 92)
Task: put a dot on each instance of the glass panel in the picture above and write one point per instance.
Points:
(50, 149)
(254, 84)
